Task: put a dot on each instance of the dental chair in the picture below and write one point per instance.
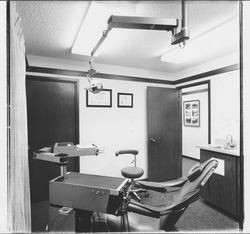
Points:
(164, 203)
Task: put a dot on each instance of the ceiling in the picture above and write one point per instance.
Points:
(50, 28)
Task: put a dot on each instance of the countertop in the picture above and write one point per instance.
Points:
(220, 149)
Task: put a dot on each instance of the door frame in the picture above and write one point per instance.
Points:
(209, 101)
(76, 97)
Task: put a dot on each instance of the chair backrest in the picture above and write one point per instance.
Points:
(196, 179)
(189, 192)
(129, 151)
(134, 152)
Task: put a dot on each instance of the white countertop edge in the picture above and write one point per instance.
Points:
(234, 152)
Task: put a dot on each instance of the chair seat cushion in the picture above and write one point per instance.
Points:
(132, 172)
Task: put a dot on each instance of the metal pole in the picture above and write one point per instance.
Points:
(184, 13)
(104, 35)
(63, 170)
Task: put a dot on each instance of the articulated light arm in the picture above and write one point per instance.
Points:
(104, 35)
(146, 23)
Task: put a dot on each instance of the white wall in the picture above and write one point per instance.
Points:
(115, 129)
(225, 97)
(132, 122)
(225, 106)
(210, 65)
(3, 119)
(193, 136)
(110, 128)
(246, 111)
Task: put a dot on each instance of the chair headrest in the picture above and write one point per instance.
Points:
(194, 172)
(197, 169)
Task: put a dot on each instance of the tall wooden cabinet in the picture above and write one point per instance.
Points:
(223, 190)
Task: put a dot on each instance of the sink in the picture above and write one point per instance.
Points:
(229, 148)
(218, 147)
(222, 147)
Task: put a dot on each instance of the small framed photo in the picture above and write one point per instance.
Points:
(101, 99)
(125, 100)
(191, 113)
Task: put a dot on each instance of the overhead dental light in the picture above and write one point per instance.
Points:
(145, 23)
(95, 86)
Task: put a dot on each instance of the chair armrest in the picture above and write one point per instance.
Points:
(162, 185)
(144, 209)
(152, 211)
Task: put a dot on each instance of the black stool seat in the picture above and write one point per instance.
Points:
(132, 172)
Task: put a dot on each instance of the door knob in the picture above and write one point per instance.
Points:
(152, 140)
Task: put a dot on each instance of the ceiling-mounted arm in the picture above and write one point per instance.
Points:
(183, 35)
(104, 35)
(146, 23)
(149, 23)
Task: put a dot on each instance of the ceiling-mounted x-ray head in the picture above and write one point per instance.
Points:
(95, 86)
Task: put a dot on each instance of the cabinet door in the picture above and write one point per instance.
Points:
(222, 191)
(164, 134)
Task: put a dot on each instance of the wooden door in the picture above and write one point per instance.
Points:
(52, 108)
(164, 134)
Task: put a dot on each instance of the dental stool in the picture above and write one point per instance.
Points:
(132, 173)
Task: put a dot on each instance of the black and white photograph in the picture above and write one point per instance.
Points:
(125, 116)
(191, 110)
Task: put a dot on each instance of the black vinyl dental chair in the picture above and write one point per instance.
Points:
(165, 203)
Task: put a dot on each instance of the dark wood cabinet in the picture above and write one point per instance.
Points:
(223, 190)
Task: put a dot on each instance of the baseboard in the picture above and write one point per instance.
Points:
(195, 159)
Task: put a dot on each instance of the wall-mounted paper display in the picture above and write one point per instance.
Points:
(101, 99)
(125, 100)
(191, 113)
(220, 168)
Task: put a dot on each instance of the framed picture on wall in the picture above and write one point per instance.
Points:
(101, 99)
(124, 99)
(191, 113)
